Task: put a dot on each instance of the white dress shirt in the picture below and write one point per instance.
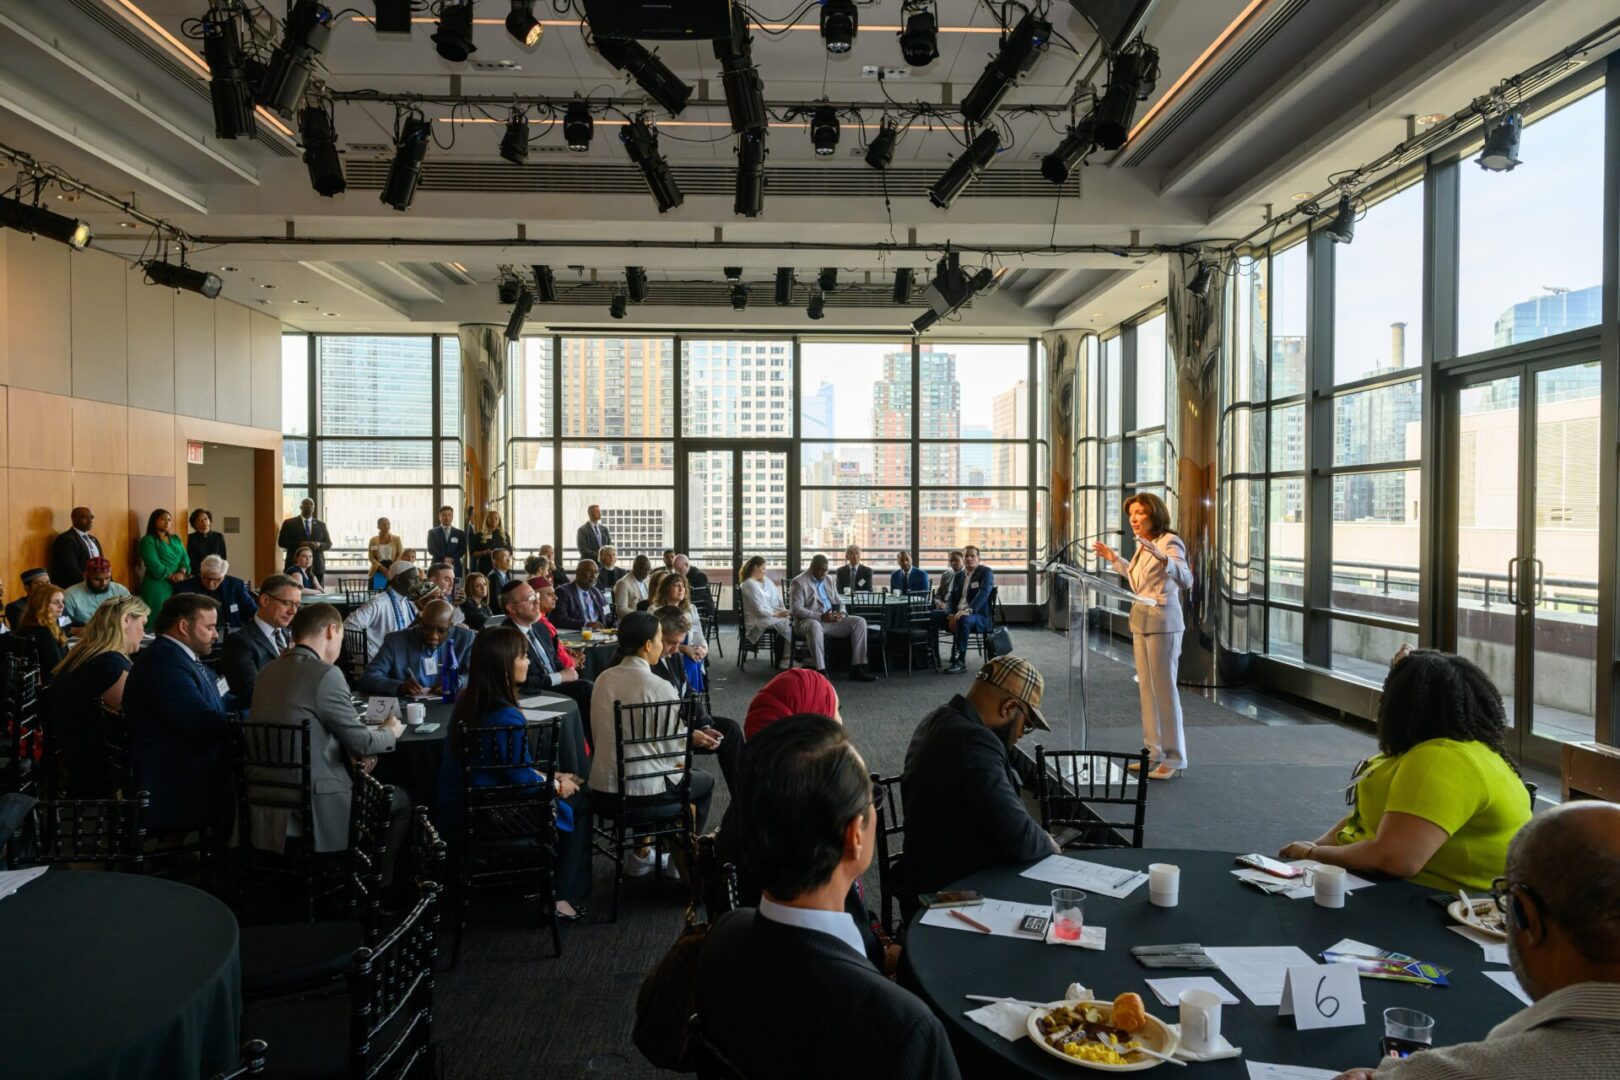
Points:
(380, 616)
(838, 924)
(89, 542)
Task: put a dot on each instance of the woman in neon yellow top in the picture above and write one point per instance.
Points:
(1441, 800)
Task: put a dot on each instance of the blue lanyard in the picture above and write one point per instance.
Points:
(399, 612)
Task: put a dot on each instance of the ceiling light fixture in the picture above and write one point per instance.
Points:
(827, 280)
(453, 40)
(578, 127)
(965, 169)
(924, 321)
(739, 297)
(525, 29)
(506, 291)
(1203, 277)
(227, 74)
(180, 276)
(616, 307)
(902, 285)
(839, 25)
(824, 130)
(784, 286)
(635, 283)
(750, 196)
(308, 29)
(320, 151)
(1300, 196)
(1429, 119)
(880, 151)
(817, 307)
(1060, 163)
(545, 284)
(38, 221)
(745, 93)
(1131, 79)
(1342, 229)
(1501, 152)
(733, 274)
(412, 133)
(392, 16)
(641, 143)
(1019, 50)
(649, 72)
(919, 41)
(515, 143)
(520, 314)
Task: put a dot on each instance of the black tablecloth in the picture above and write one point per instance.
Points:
(599, 655)
(414, 762)
(944, 965)
(117, 976)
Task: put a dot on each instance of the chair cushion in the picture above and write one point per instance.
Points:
(284, 956)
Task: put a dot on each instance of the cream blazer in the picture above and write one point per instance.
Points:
(1161, 580)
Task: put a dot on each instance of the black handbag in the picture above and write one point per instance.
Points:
(1000, 642)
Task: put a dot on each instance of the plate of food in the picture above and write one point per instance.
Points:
(1482, 915)
(1100, 1034)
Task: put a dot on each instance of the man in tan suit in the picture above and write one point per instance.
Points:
(818, 614)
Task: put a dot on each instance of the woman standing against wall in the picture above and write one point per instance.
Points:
(164, 558)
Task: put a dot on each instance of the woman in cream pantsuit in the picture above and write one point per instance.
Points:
(1159, 570)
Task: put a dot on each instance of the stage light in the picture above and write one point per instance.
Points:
(578, 127)
(38, 221)
(649, 72)
(1018, 52)
(520, 314)
(924, 321)
(1130, 79)
(309, 27)
(635, 283)
(1203, 277)
(392, 16)
(522, 25)
(902, 285)
(751, 152)
(545, 283)
(180, 276)
(1057, 165)
(919, 41)
(227, 74)
(824, 130)
(733, 274)
(880, 151)
(965, 169)
(1342, 229)
(827, 280)
(1501, 151)
(320, 151)
(411, 138)
(616, 307)
(453, 40)
(515, 143)
(839, 24)
(641, 143)
(507, 290)
(745, 93)
(784, 286)
(817, 307)
(739, 297)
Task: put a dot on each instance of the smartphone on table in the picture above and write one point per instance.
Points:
(1393, 1047)
(959, 898)
(1274, 867)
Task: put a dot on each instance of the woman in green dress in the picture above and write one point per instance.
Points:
(164, 556)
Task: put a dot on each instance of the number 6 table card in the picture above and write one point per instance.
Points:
(1323, 996)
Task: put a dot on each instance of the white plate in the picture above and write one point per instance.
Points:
(1457, 910)
(1155, 1035)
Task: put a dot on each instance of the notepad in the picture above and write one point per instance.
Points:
(1095, 878)
(1001, 916)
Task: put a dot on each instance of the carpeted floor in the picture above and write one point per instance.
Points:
(1262, 773)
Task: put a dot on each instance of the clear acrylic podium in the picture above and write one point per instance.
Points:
(1086, 591)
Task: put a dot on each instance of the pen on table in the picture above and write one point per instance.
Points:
(975, 923)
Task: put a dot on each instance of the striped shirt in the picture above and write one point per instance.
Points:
(1571, 1034)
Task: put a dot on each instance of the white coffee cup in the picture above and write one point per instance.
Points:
(1164, 884)
(415, 713)
(1200, 1021)
(1329, 884)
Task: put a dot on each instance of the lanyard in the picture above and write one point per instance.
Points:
(399, 611)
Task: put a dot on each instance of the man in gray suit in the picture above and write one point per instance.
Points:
(411, 662)
(818, 614)
(302, 687)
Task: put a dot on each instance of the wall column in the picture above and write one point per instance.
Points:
(483, 384)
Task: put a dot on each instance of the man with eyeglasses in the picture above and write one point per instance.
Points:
(264, 638)
(1560, 905)
(524, 607)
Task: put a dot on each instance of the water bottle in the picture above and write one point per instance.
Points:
(449, 679)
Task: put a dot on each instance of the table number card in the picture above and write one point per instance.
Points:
(1323, 996)
(379, 709)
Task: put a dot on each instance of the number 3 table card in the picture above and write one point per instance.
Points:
(1323, 996)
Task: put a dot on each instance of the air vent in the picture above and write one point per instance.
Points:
(718, 294)
(368, 148)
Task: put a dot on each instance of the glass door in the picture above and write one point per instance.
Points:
(1523, 478)
(737, 504)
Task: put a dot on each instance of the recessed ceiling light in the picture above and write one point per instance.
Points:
(263, 286)
(1096, 314)
(300, 301)
(1300, 196)
(1149, 285)
(229, 269)
(331, 314)
(1431, 118)
(126, 224)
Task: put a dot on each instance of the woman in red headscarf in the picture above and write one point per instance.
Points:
(794, 691)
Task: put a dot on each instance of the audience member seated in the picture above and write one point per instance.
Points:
(203, 541)
(908, 579)
(818, 614)
(580, 603)
(41, 623)
(790, 693)
(389, 610)
(631, 682)
(762, 608)
(550, 666)
(683, 566)
(655, 581)
(854, 576)
(966, 608)
(1563, 942)
(305, 530)
(303, 570)
(631, 588)
(538, 568)
(475, 610)
(303, 687)
(591, 535)
(442, 576)
(673, 591)
(412, 662)
(80, 601)
(164, 559)
(963, 810)
(947, 578)
(381, 551)
(236, 604)
(500, 571)
(1441, 800)
(14, 610)
(808, 818)
(550, 566)
(500, 665)
(609, 570)
(88, 683)
(266, 638)
(74, 547)
(672, 667)
(446, 543)
(486, 540)
(178, 728)
(669, 558)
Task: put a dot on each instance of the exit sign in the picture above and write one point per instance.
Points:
(194, 453)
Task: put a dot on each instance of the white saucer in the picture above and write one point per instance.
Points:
(1224, 1050)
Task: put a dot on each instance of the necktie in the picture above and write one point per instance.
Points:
(545, 661)
(283, 639)
(306, 528)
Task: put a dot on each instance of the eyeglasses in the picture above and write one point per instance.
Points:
(1500, 889)
(294, 604)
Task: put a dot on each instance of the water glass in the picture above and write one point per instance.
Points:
(1068, 914)
(1409, 1024)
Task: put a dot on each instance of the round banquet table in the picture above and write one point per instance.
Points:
(599, 655)
(117, 976)
(1215, 910)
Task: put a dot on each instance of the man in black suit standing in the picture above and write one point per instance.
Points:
(263, 639)
(72, 548)
(592, 535)
(854, 576)
(306, 530)
(446, 543)
(808, 820)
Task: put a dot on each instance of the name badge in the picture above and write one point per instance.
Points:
(430, 666)
(63, 620)
(233, 609)
(222, 686)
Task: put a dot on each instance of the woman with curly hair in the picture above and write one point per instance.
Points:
(1441, 800)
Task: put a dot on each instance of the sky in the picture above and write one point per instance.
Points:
(983, 369)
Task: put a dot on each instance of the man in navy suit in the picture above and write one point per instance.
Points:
(236, 604)
(446, 543)
(411, 662)
(967, 606)
(178, 728)
(580, 603)
(909, 578)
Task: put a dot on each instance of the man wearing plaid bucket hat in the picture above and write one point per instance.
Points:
(963, 810)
